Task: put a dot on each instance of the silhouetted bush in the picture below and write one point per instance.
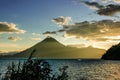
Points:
(34, 70)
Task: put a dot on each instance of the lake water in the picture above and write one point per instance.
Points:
(78, 69)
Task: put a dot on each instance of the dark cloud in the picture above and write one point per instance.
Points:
(14, 38)
(62, 20)
(93, 4)
(61, 30)
(107, 10)
(98, 30)
(49, 32)
(6, 27)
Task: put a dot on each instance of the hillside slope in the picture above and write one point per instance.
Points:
(51, 48)
(113, 53)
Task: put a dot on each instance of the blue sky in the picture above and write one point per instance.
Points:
(35, 17)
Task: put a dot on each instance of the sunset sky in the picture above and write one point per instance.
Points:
(84, 23)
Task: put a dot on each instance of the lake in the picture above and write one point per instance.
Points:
(78, 68)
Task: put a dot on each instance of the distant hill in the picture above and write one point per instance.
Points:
(51, 48)
(113, 53)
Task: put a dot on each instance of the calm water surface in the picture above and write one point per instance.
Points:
(78, 69)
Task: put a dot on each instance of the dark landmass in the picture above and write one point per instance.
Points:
(51, 48)
(113, 53)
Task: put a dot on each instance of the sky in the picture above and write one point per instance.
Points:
(24, 23)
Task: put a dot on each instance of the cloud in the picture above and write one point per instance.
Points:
(6, 27)
(61, 30)
(6, 46)
(37, 39)
(117, 1)
(8, 52)
(107, 10)
(14, 38)
(104, 44)
(93, 5)
(97, 31)
(77, 45)
(62, 20)
(104, 1)
(49, 32)
(36, 34)
(10, 47)
(2, 51)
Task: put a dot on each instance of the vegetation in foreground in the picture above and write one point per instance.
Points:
(34, 70)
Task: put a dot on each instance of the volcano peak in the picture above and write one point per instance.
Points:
(51, 48)
(49, 39)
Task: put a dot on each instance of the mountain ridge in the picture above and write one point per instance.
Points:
(51, 48)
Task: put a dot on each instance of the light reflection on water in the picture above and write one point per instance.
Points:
(78, 69)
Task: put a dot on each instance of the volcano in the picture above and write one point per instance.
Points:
(51, 48)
